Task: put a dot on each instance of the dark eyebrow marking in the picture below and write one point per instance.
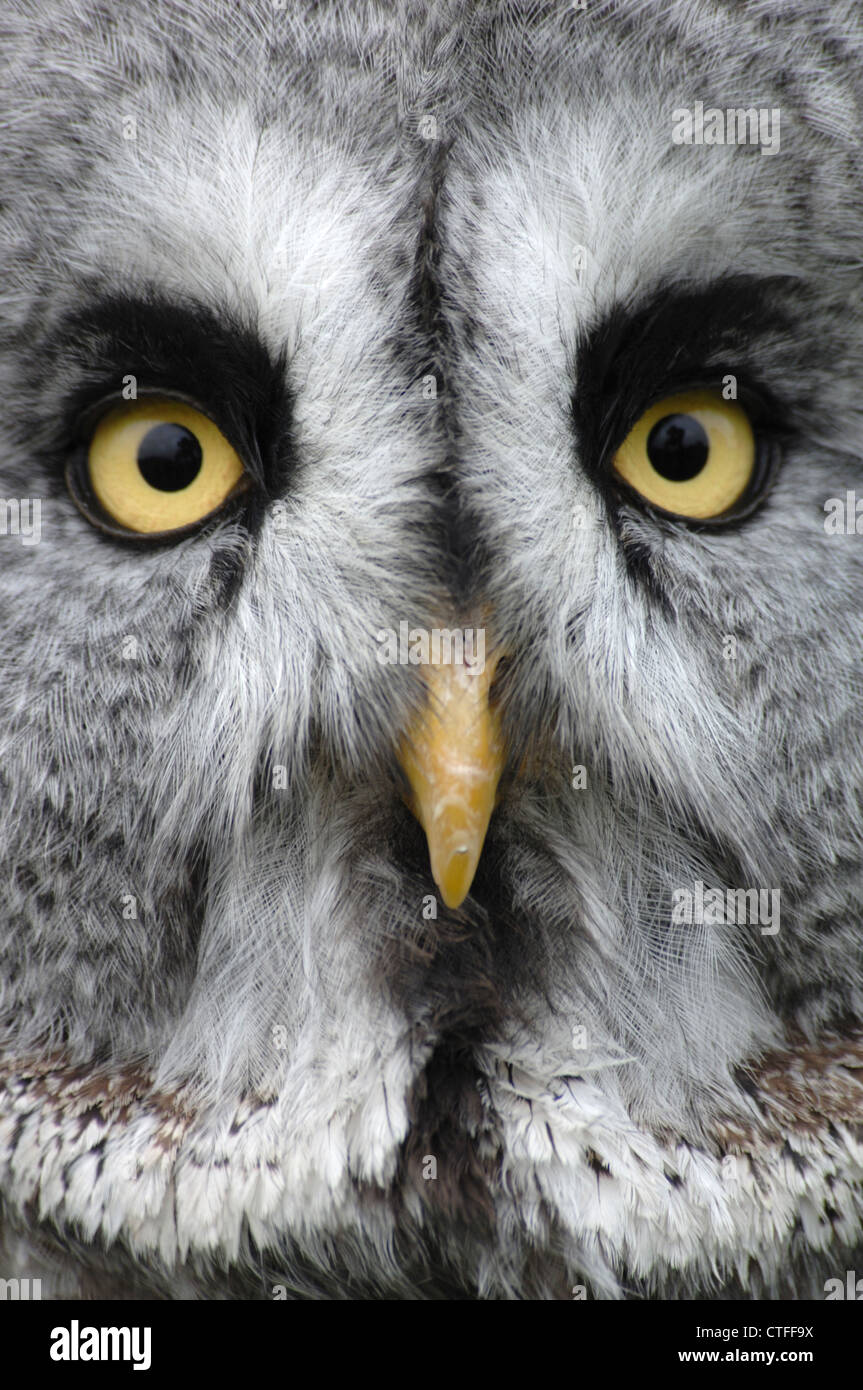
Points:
(677, 337)
(184, 348)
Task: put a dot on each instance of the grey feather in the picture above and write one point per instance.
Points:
(250, 1073)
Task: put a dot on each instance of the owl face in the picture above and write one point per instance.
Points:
(322, 949)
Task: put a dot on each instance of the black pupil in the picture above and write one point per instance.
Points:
(169, 457)
(677, 446)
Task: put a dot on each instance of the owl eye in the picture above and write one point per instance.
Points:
(157, 466)
(692, 455)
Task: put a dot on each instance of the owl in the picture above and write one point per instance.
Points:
(431, 710)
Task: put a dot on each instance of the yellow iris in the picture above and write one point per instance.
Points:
(692, 454)
(159, 465)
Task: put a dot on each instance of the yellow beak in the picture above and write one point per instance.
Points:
(453, 756)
